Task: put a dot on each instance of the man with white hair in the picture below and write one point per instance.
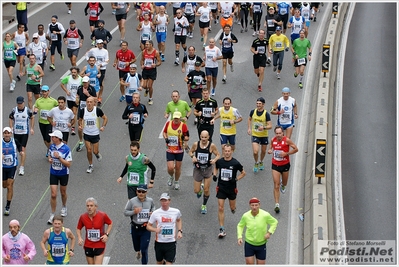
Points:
(18, 248)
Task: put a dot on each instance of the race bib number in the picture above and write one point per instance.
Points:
(277, 155)
(283, 10)
(134, 178)
(173, 141)
(226, 174)
(43, 114)
(93, 235)
(256, 8)
(209, 57)
(82, 104)
(61, 125)
(279, 44)
(71, 42)
(261, 49)
(203, 158)
(161, 28)
(167, 232)
(257, 125)
(93, 13)
(148, 62)
(19, 128)
(56, 165)
(8, 54)
(270, 23)
(121, 65)
(8, 160)
(90, 123)
(93, 81)
(58, 250)
(226, 124)
(207, 112)
(204, 17)
(143, 215)
(145, 37)
(135, 119)
(301, 61)
(19, 44)
(297, 27)
(226, 43)
(53, 37)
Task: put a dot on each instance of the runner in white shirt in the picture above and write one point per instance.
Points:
(39, 49)
(204, 12)
(211, 55)
(61, 118)
(167, 224)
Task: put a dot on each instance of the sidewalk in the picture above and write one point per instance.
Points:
(9, 10)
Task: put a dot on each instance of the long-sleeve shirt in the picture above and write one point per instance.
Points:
(257, 227)
(18, 249)
(147, 208)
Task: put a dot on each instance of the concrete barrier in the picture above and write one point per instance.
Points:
(319, 198)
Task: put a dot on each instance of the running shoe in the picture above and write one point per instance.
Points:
(90, 169)
(231, 68)
(195, 121)
(238, 22)
(146, 92)
(314, 19)
(62, 56)
(202, 39)
(224, 79)
(69, 11)
(278, 76)
(50, 220)
(199, 194)
(268, 61)
(170, 180)
(177, 185)
(138, 255)
(150, 101)
(12, 87)
(222, 232)
(18, 77)
(242, 30)
(277, 208)
(64, 211)
(282, 188)
(99, 101)
(274, 68)
(177, 61)
(80, 147)
(261, 166)
(21, 170)
(113, 11)
(259, 88)
(295, 74)
(256, 167)
(185, 53)
(203, 209)
(209, 29)
(52, 67)
(162, 57)
(254, 34)
(73, 131)
(233, 211)
(6, 211)
(246, 29)
(300, 85)
(121, 98)
(213, 91)
(98, 156)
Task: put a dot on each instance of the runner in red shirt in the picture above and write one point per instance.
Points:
(124, 57)
(96, 235)
(150, 60)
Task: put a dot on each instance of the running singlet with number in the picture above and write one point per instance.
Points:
(72, 38)
(57, 168)
(179, 31)
(94, 11)
(57, 247)
(72, 86)
(283, 8)
(260, 46)
(38, 50)
(94, 228)
(134, 83)
(45, 104)
(145, 31)
(30, 70)
(175, 138)
(226, 116)
(167, 221)
(228, 173)
(20, 39)
(287, 106)
(278, 148)
(124, 59)
(21, 120)
(297, 24)
(93, 71)
(10, 153)
(301, 47)
(203, 155)
(8, 49)
(149, 59)
(161, 27)
(90, 120)
(61, 118)
(137, 171)
(257, 121)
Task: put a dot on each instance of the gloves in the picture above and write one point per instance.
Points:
(215, 178)
(167, 140)
(286, 49)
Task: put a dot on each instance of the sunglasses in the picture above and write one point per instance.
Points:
(141, 191)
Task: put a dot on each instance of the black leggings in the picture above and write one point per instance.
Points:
(244, 14)
(257, 18)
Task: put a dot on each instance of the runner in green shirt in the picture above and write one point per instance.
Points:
(42, 106)
(300, 49)
(178, 105)
(260, 226)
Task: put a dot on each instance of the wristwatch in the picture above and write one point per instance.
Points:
(181, 231)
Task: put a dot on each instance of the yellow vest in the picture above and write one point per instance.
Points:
(21, 6)
(226, 117)
(259, 121)
(175, 143)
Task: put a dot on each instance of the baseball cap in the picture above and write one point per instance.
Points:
(45, 88)
(254, 200)
(261, 99)
(85, 79)
(99, 41)
(35, 35)
(286, 90)
(72, 21)
(270, 7)
(56, 133)
(8, 129)
(133, 66)
(12, 222)
(176, 115)
(164, 196)
(101, 21)
(20, 100)
(142, 187)
(278, 28)
(197, 63)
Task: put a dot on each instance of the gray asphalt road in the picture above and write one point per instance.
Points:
(369, 125)
(200, 243)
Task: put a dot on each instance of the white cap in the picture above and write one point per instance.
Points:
(56, 133)
(85, 79)
(8, 129)
(35, 35)
(99, 41)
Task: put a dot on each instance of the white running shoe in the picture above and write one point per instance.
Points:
(64, 211)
